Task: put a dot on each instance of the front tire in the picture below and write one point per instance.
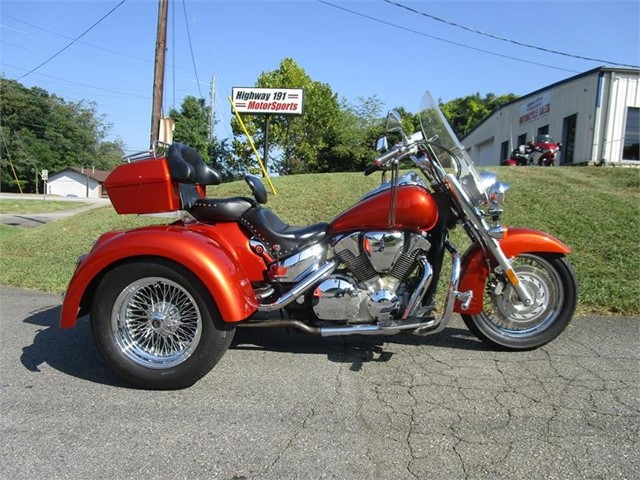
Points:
(157, 326)
(507, 323)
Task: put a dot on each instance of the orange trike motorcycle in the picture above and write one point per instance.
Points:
(164, 301)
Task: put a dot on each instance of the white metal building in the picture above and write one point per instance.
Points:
(596, 116)
(77, 182)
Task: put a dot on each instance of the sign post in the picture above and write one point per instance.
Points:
(265, 148)
(267, 101)
(246, 132)
(45, 178)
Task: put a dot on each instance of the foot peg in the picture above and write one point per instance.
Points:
(465, 298)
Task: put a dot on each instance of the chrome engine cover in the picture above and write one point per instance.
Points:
(383, 249)
(383, 305)
(377, 263)
(372, 254)
(301, 264)
(338, 298)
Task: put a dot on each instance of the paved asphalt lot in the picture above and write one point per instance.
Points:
(288, 406)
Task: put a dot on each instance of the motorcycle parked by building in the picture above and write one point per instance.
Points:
(546, 151)
(542, 151)
(165, 300)
(521, 156)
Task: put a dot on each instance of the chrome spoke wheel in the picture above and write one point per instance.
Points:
(156, 323)
(507, 322)
(506, 313)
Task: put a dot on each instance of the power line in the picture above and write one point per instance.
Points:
(503, 39)
(173, 56)
(51, 32)
(74, 40)
(97, 47)
(451, 42)
(118, 92)
(222, 109)
(422, 34)
(193, 60)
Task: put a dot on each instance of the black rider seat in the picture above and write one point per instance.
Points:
(278, 236)
(221, 209)
(190, 171)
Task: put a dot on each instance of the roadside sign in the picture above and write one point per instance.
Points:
(278, 101)
(45, 175)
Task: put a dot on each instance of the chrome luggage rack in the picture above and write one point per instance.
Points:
(159, 150)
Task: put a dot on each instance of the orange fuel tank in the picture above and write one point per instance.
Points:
(416, 210)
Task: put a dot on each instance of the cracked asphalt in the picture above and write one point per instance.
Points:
(282, 405)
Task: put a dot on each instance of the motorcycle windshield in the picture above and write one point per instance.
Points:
(451, 154)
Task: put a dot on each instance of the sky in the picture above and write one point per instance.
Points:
(359, 48)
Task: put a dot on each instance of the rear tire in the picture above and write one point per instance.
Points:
(507, 323)
(157, 326)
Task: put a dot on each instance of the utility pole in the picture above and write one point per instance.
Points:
(212, 112)
(158, 74)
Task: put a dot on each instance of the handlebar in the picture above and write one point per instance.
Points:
(395, 154)
(371, 169)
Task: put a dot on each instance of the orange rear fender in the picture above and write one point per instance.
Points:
(208, 259)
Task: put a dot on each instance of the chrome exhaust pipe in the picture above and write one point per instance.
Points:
(362, 329)
(421, 289)
(452, 295)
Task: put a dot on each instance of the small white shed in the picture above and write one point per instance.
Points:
(78, 182)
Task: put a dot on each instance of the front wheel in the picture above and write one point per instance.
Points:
(507, 323)
(157, 326)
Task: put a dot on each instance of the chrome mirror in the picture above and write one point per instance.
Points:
(382, 145)
(394, 121)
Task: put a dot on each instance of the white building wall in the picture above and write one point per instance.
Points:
(600, 118)
(73, 184)
(623, 91)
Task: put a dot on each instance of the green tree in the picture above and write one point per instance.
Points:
(192, 128)
(110, 154)
(192, 125)
(223, 159)
(464, 113)
(352, 143)
(295, 142)
(39, 131)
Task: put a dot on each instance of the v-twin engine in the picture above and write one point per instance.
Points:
(373, 286)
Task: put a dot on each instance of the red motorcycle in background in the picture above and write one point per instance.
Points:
(543, 151)
(164, 301)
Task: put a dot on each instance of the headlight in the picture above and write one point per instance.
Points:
(487, 180)
(496, 194)
(477, 186)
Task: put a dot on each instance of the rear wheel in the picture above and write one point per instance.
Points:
(157, 326)
(507, 323)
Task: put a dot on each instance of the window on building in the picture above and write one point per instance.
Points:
(631, 149)
(522, 140)
(569, 138)
(544, 130)
(504, 151)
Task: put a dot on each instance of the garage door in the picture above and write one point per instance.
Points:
(486, 154)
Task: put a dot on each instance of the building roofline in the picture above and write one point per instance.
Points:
(553, 85)
(97, 175)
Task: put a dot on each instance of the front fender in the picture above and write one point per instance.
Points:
(217, 268)
(474, 269)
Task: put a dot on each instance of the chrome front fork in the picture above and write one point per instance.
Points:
(507, 269)
(492, 244)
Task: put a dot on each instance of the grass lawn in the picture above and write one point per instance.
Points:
(596, 211)
(17, 206)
